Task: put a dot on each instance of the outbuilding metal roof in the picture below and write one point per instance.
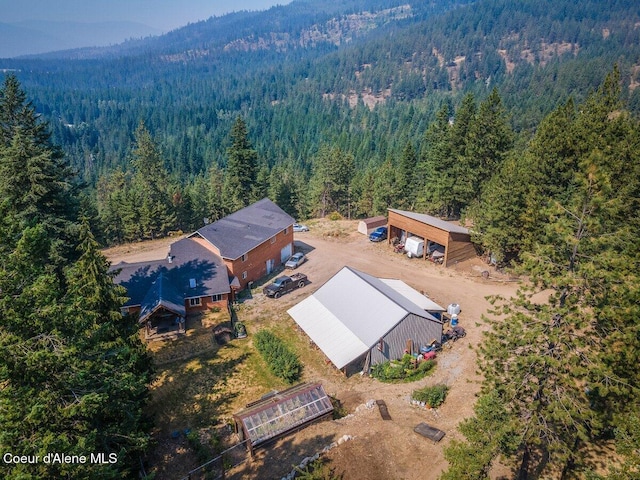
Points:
(433, 221)
(351, 312)
(416, 297)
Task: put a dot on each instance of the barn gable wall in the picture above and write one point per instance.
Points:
(420, 330)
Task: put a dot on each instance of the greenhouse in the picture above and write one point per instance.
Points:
(279, 413)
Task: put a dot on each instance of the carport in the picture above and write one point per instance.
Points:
(454, 238)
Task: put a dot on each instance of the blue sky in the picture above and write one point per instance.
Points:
(163, 15)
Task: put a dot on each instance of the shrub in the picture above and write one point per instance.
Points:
(402, 370)
(335, 216)
(282, 362)
(432, 396)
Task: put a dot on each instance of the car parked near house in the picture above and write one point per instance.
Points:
(379, 234)
(295, 260)
(297, 227)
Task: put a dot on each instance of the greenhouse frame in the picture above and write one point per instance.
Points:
(280, 413)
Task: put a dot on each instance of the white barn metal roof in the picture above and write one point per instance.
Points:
(351, 312)
(412, 294)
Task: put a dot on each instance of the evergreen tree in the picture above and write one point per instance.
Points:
(111, 369)
(437, 167)
(489, 140)
(151, 182)
(330, 183)
(499, 217)
(559, 356)
(35, 181)
(406, 178)
(242, 170)
(386, 192)
(72, 369)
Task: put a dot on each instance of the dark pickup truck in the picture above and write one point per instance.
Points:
(282, 285)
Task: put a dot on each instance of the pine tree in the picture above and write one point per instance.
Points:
(406, 178)
(72, 369)
(330, 183)
(111, 369)
(489, 140)
(560, 356)
(150, 180)
(35, 181)
(242, 170)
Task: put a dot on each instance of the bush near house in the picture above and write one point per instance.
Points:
(404, 370)
(282, 362)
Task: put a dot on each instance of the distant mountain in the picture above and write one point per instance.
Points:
(365, 75)
(34, 37)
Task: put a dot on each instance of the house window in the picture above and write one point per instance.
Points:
(286, 230)
(381, 345)
(245, 257)
(244, 275)
(273, 240)
(194, 302)
(217, 298)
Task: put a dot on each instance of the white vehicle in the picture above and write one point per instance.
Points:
(297, 227)
(296, 260)
(414, 247)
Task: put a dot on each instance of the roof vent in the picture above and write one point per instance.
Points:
(169, 258)
(192, 282)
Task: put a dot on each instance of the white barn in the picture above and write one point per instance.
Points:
(358, 320)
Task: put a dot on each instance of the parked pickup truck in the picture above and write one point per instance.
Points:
(284, 284)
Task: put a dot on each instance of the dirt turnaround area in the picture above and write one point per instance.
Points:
(367, 447)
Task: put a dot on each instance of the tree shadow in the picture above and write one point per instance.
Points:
(276, 460)
(138, 279)
(188, 397)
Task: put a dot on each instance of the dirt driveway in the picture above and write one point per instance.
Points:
(377, 449)
(382, 449)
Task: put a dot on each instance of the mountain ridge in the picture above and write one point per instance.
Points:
(370, 77)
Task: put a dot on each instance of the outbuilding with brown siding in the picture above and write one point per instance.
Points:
(454, 238)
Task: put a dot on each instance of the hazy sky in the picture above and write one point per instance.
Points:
(164, 15)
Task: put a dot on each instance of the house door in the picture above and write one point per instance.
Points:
(270, 264)
(285, 253)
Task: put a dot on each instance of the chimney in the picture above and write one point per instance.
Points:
(169, 258)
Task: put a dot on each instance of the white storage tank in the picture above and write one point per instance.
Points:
(453, 309)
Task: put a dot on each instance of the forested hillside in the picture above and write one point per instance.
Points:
(362, 79)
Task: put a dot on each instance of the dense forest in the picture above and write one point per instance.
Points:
(362, 80)
(520, 118)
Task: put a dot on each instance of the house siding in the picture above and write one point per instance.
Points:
(206, 303)
(421, 331)
(256, 260)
